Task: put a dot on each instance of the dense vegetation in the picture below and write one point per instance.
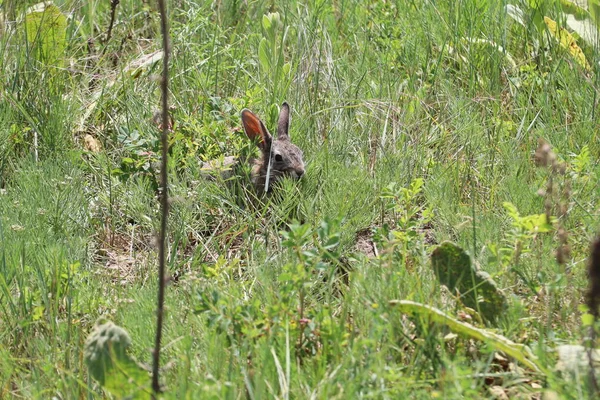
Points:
(419, 122)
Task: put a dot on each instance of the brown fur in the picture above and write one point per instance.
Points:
(285, 157)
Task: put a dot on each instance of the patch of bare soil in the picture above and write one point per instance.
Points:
(125, 258)
(364, 243)
(124, 269)
(364, 240)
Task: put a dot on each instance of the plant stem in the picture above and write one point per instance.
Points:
(163, 197)
(113, 9)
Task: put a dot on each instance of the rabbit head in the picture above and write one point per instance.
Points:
(279, 156)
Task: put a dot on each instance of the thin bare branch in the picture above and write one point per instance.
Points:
(164, 201)
(113, 9)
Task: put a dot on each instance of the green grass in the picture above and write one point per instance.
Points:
(381, 92)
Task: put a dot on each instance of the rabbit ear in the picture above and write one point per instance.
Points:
(255, 129)
(284, 122)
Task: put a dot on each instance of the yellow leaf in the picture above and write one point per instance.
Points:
(568, 42)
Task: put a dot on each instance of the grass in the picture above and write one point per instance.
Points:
(381, 92)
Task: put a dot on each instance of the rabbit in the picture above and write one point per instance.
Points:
(279, 156)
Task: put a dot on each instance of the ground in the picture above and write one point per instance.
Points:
(419, 123)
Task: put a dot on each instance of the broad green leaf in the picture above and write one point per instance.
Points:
(105, 354)
(274, 19)
(266, 22)
(535, 223)
(453, 268)
(416, 185)
(511, 209)
(38, 312)
(519, 352)
(587, 320)
(594, 9)
(263, 55)
(569, 7)
(535, 4)
(46, 31)
(581, 162)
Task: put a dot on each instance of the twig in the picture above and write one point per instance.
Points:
(113, 9)
(163, 198)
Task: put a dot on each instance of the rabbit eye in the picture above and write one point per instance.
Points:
(278, 157)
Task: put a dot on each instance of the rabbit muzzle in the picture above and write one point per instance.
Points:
(297, 174)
